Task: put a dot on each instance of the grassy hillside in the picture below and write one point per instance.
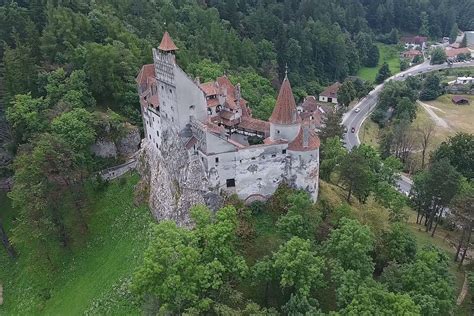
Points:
(389, 54)
(94, 277)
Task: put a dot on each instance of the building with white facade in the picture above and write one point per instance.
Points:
(330, 93)
(212, 125)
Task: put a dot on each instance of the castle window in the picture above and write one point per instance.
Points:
(253, 158)
(153, 118)
(191, 107)
(283, 151)
(149, 135)
(274, 155)
(230, 183)
(157, 134)
(217, 159)
(156, 145)
(278, 131)
(162, 87)
(171, 91)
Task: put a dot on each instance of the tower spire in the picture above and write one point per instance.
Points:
(167, 45)
(285, 111)
(286, 71)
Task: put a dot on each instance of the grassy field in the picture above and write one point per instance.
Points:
(369, 133)
(389, 54)
(460, 118)
(93, 279)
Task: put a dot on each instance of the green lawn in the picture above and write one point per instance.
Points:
(94, 278)
(369, 133)
(389, 54)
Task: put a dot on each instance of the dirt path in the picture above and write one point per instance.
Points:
(438, 120)
(463, 292)
(435, 108)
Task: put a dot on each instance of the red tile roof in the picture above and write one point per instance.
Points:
(167, 44)
(212, 127)
(456, 51)
(306, 140)
(331, 91)
(212, 102)
(459, 99)
(252, 124)
(285, 111)
(209, 88)
(227, 115)
(230, 91)
(146, 72)
(191, 142)
(412, 53)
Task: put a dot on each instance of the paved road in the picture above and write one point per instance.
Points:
(353, 119)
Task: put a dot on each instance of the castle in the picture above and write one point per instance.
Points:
(209, 128)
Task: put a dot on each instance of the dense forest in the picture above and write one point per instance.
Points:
(67, 79)
(109, 40)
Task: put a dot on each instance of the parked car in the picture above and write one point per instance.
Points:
(353, 130)
(357, 110)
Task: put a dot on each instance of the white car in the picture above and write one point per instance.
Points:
(357, 110)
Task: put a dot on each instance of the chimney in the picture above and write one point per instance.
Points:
(305, 136)
(237, 94)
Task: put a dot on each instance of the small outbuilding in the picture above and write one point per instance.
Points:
(459, 100)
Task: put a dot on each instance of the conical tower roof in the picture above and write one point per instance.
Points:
(167, 44)
(285, 111)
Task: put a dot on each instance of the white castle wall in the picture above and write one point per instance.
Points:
(288, 132)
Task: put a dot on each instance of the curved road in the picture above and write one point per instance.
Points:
(353, 119)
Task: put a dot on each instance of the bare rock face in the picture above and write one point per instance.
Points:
(104, 148)
(177, 180)
(125, 145)
(129, 143)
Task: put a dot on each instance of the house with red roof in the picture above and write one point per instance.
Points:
(205, 141)
(330, 93)
(414, 41)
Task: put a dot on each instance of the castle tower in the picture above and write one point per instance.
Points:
(285, 121)
(181, 99)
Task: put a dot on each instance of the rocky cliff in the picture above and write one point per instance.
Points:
(124, 145)
(177, 180)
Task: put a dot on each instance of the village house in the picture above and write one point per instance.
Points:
(330, 93)
(411, 54)
(413, 42)
(452, 54)
(459, 100)
(464, 80)
(313, 112)
(213, 123)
